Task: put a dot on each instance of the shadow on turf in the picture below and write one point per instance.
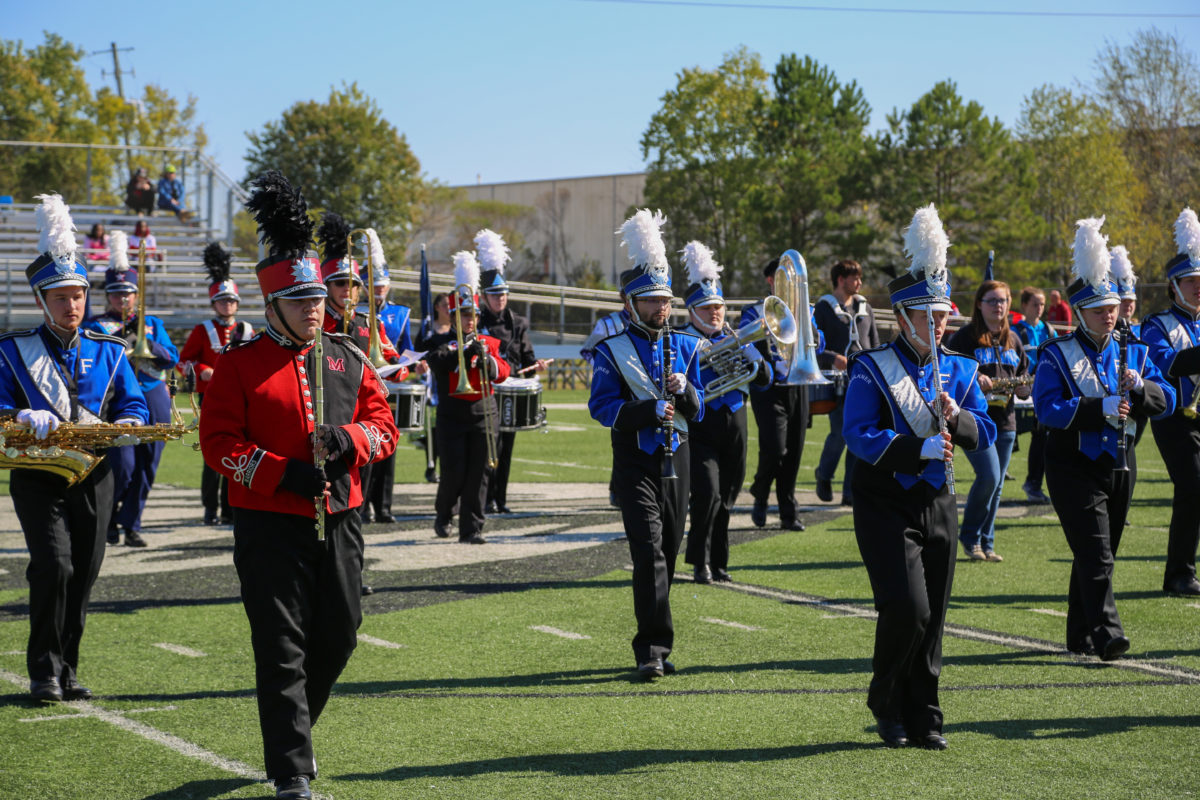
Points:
(610, 762)
(199, 790)
(1071, 727)
(801, 566)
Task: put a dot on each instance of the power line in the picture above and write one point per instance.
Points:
(927, 11)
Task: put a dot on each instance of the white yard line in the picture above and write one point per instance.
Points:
(1016, 643)
(362, 637)
(558, 632)
(78, 716)
(180, 650)
(1052, 612)
(560, 464)
(740, 626)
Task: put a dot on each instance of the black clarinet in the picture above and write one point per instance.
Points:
(668, 464)
(1120, 334)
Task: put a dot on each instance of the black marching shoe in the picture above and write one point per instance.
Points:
(472, 539)
(442, 529)
(758, 514)
(649, 670)
(1185, 587)
(113, 536)
(1114, 648)
(668, 667)
(721, 575)
(824, 491)
(385, 518)
(931, 741)
(490, 508)
(74, 690)
(431, 476)
(891, 732)
(702, 574)
(794, 525)
(366, 518)
(133, 538)
(227, 518)
(210, 517)
(1083, 648)
(502, 509)
(293, 789)
(367, 590)
(47, 691)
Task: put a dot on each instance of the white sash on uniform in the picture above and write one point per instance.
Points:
(903, 389)
(630, 365)
(1083, 372)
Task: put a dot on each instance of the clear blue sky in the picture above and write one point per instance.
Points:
(559, 88)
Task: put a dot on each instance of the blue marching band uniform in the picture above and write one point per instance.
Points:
(53, 374)
(135, 466)
(905, 517)
(628, 396)
(1076, 394)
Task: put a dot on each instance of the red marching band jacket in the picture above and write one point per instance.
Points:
(360, 332)
(258, 413)
(503, 370)
(205, 343)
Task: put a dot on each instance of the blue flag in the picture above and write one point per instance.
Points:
(426, 298)
(987, 271)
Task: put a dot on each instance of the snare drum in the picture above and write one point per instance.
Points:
(520, 404)
(824, 398)
(1026, 418)
(410, 405)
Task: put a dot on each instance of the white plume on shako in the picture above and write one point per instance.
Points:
(466, 269)
(1121, 267)
(926, 243)
(118, 250)
(493, 252)
(642, 236)
(374, 250)
(702, 268)
(1187, 234)
(1090, 258)
(57, 230)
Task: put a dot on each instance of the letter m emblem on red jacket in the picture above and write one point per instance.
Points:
(336, 364)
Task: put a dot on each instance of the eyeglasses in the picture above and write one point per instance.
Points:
(995, 301)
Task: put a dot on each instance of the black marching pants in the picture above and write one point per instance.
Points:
(718, 466)
(302, 599)
(1178, 439)
(379, 477)
(498, 483)
(782, 416)
(653, 511)
(464, 478)
(1091, 501)
(907, 540)
(64, 530)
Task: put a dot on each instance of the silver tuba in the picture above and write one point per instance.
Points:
(733, 369)
(791, 286)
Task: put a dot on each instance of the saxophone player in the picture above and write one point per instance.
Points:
(1174, 339)
(718, 440)
(908, 403)
(53, 374)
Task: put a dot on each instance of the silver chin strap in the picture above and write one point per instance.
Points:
(1179, 297)
(1096, 336)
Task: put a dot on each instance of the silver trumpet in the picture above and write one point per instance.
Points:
(791, 285)
(734, 370)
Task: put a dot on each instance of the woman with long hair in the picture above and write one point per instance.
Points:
(998, 349)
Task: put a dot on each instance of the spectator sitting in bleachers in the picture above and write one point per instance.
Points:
(170, 193)
(139, 194)
(96, 245)
(142, 231)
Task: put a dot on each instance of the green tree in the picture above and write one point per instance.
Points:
(44, 97)
(944, 150)
(346, 157)
(814, 156)
(702, 168)
(1152, 87)
(1079, 170)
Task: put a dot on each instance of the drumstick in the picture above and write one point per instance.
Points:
(523, 370)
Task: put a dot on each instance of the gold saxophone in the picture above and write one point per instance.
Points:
(1010, 385)
(66, 451)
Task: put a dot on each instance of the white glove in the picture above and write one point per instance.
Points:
(752, 354)
(1111, 405)
(1137, 377)
(953, 406)
(934, 448)
(677, 383)
(42, 422)
(660, 408)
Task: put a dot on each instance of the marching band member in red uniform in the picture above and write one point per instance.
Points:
(199, 356)
(340, 274)
(462, 427)
(300, 583)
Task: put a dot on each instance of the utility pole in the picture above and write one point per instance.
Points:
(120, 91)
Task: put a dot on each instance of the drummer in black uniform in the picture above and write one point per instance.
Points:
(498, 320)
(718, 440)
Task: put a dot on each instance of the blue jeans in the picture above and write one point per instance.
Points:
(832, 451)
(979, 517)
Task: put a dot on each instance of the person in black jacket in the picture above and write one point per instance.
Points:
(497, 319)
